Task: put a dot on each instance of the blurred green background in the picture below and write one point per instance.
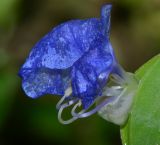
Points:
(135, 36)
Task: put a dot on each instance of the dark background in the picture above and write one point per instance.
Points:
(135, 36)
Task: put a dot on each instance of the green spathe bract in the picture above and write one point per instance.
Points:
(143, 126)
(118, 109)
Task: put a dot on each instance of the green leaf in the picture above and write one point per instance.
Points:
(143, 126)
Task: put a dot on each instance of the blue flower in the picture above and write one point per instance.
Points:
(74, 60)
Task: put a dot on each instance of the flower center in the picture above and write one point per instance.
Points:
(113, 105)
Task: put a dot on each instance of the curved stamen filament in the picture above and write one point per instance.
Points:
(79, 104)
(61, 106)
(61, 111)
(83, 114)
(111, 96)
(74, 113)
(68, 92)
(58, 106)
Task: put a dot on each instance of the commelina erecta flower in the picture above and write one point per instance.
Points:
(76, 61)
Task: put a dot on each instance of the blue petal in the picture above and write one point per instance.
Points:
(65, 44)
(80, 46)
(38, 82)
(58, 50)
(90, 73)
(105, 18)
